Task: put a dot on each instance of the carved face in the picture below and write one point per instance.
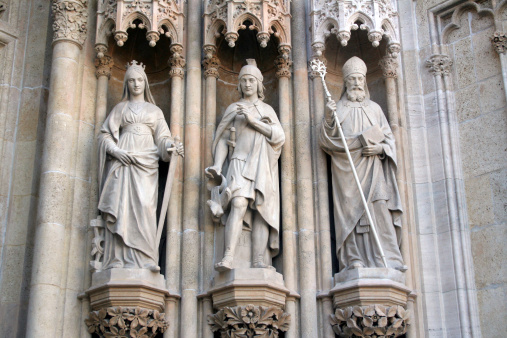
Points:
(355, 87)
(136, 84)
(248, 85)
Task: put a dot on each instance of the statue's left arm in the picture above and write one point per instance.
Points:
(389, 144)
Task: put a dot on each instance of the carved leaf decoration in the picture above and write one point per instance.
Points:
(397, 323)
(379, 331)
(368, 322)
(262, 333)
(367, 331)
(337, 329)
(93, 322)
(381, 310)
(283, 322)
(233, 318)
(382, 322)
(407, 316)
(347, 313)
(217, 321)
(391, 312)
(340, 315)
(239, 333)
(369, 311)
(266, 315)
(390, 331)
(351, 323)
(333, 320)
(401, 311)
(357, 311)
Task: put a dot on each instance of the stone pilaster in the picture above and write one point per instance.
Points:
(56, 182)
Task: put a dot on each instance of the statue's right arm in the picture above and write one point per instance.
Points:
(221, 150)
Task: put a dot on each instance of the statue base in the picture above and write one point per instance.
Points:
(369, 286)
(128, 294)
(370, 302)
(239, 287)
(249, 302)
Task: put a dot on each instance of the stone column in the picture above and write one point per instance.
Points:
(55, 193)
(499, 41)
(192, 176)
(389, 66)
(283, 64)
(322, 183)
(440, 67)
(305, 216)
(211, 63)
(173, 233)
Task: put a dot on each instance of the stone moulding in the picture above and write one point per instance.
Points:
(250, 321)
(378, 17)
(120, 321)
(70, 21)
(156, 16)
(268, 17)
(370, 321)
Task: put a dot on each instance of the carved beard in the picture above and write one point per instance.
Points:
(356, 94)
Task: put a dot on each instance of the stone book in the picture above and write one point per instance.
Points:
(371, 135)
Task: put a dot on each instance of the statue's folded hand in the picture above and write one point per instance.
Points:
(124, 157)
(375, 149)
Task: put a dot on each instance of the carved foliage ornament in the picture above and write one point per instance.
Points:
(370, 321)
(70, 20)
(389, 66)
(439, 64)
(249, 321)
(177, 62)
(103, 66)
(499, 41)
(126, 322)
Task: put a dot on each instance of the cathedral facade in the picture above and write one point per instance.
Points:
(434, 70)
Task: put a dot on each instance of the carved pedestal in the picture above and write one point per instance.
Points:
(250, 302)
(370, 302)
(127, 302)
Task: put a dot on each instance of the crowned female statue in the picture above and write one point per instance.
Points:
(133, 138)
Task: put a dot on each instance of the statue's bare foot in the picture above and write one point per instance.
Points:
(225, 264)
(356, 265)
(402, 268)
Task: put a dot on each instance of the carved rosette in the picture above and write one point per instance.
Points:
(126, 322)
(250, 321)
(370, 321)
(439, 65)
(70, 21)
(177, 61)
(389, 66)
(499, 41)
(104, 66)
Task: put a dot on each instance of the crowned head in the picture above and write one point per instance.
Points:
(136, 81)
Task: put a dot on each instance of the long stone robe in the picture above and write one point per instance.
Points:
(128, 194)
(354, 241)
(254, 165)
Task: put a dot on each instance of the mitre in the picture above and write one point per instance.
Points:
(251, 69)
(354, 65)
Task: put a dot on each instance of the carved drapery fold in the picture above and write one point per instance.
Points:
(439, 64)
(120, 321)
(157, 17)
(499, 41)
(70, 21)
(177, 62)
(370, 321)
(104, 66)
(250, 321)
(267, 17)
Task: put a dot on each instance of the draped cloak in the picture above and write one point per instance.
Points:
(128, 194)
(257, 174)
(376, 174)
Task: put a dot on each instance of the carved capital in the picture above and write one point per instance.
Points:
(209, 51)
(104, 66)
(370, 321)
(231, 38)
(249, 321)
(318, 49)
(439, 64)
(70, 21)
(120, 321)
(177, 61)
(211, 66)
(283, 65)
(263, 39)
(375, 38)
(499, 41)
(389, 66)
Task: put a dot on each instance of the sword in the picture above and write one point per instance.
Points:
(168, 188)
(320, 68)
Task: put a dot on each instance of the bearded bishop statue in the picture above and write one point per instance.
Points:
(373, 151)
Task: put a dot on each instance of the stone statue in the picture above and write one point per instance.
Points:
(133, 138)
(373, 150)
(248, 143)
